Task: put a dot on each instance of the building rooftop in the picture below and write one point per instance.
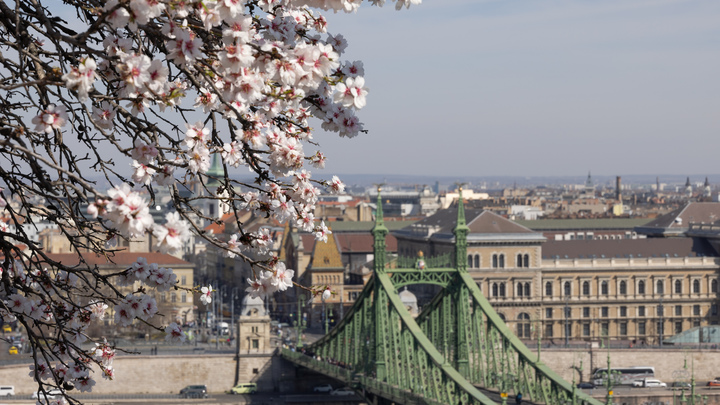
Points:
(627, 248)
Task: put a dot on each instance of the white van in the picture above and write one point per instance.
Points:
(7, 390)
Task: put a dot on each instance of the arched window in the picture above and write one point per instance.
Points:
(477, 261)
(527, 289)
(604, 288)
(519, 289)
(502, 261)
(526, 260)
(696, 286)
(518, 261)
(678, 287)
(523, 326)
(713, 286)
(548, 288)
(623, 287)
(494, 290)
(641, 287)
(470, 261)
(660, 287)
(502, 289)
(567, 288)
(495, 261)
(586, 288)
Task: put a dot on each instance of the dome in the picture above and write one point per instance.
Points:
(409, 300)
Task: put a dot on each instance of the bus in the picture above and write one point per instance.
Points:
(622, 375)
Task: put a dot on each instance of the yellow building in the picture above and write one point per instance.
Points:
(631, 291)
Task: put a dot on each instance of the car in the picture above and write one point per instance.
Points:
(323, 388)
(13, 350)
(680, 385)
(194, 391)
(342, 392)
(244, 388)
(6, 328)
(714, 383)
(652, 383)
(7, 391)
(51, 394)
(585, 385)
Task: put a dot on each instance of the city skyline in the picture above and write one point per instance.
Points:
(547, 88)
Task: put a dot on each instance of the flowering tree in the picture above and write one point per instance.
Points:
(164, 87)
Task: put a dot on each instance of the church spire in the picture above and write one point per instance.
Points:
(215, 172)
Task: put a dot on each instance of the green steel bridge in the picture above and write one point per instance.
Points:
(457, 351)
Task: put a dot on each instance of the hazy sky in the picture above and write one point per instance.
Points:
(535, 88)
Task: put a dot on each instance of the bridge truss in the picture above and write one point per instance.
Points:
(454, 352)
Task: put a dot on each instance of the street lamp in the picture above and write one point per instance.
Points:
(300, 322)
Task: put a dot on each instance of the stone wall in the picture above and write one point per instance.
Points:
(169, 374)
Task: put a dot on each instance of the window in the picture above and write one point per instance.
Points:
(586, 288)
(527, 289)
(623, 311)
(548, 313)
(604, 329)
(623, 287)
(696, 310)
(641, 287)
(254, 329)
(523, 326)
(548, 330)
(548, 288)
(183, 281)
(696, 286)
(623, 328)
(586, 312)
(470, 261)
(495, 290)
(604, 312)
(641, 310)
(502, 289)
(713, 310)
(678, 310)
(183, 297)
(520, 289)
(255, 343)
(696, 323)
(586, 329)
(678, 287)
(526, 260)
(604, 288)
(713, 286)
(678, 327)
(567, 288)
(660, 310)
(498, 261)
(173, 298)
(518, 261)
(568, 329)
(660, 289)
(477, 261)
(659, 327)
(641, 328)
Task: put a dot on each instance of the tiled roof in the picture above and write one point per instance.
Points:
(489, 222)
(326, 255)
(360, 226)
(623, 248)
(362, 242)
(694, 212)
(118, 259)
(567, 224)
